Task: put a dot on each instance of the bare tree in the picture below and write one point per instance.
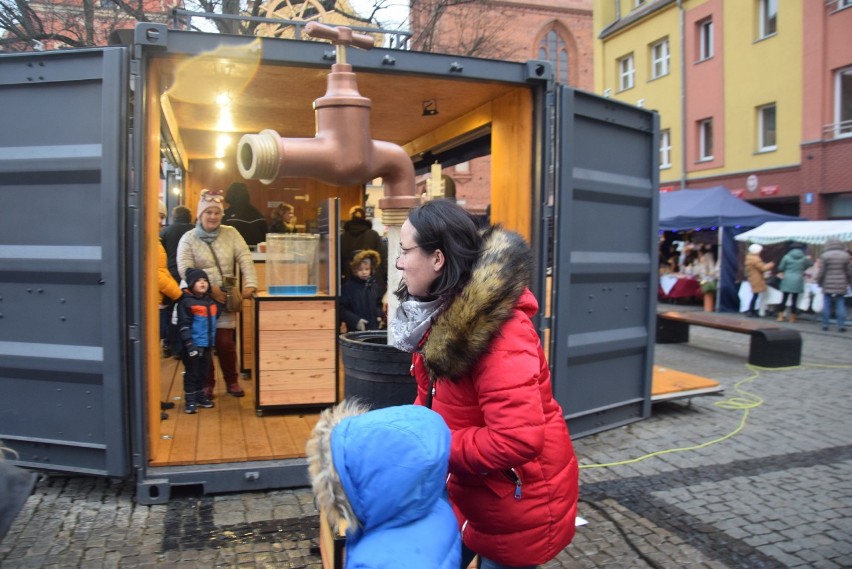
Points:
(461, 27)
(27, 25)
(38, 24)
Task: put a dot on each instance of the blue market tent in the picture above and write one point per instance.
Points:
(716, 208)
(713, 207)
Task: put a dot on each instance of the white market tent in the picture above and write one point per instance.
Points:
(811, 232)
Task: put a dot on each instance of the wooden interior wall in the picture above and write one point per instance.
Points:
(150, 239)
(511, 161)
(289, 190)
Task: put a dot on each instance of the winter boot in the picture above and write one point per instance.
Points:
(189, 403)
(780, 316)
(793, 317)
(202, 400)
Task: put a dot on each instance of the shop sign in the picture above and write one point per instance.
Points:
(738, 193)
(770, 190)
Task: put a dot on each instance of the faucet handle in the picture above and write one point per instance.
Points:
(339, 35)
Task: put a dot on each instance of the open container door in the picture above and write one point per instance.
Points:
(62, 325)
(604, 263)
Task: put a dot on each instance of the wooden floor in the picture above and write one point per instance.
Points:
(230, 432)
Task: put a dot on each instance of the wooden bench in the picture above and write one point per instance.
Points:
(771, 345)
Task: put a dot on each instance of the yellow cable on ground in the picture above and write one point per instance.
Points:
(746, 402)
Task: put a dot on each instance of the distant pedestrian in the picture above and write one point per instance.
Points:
(383, 472)
(791, 269)
(754, 269)
(835, 277)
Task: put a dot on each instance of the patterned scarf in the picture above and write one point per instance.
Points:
(207, 237)
(412, 320)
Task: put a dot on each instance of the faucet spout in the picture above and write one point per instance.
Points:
(342, 152)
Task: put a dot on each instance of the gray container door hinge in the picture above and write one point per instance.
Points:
(133, 333)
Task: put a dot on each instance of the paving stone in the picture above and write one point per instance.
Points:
(776, 494)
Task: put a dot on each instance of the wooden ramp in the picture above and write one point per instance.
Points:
(668, 384)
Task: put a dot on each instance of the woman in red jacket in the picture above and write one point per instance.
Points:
(465, 314)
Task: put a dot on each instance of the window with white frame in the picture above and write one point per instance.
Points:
(626, 72)
(843, 103)
(665, 149)
(767, 18)
(766, 129)
(660, 58)
(843, 4)
(638, 3)
(705, 39)
(705, 139)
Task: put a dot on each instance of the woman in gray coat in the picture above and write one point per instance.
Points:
(835, 276)
(792, 272)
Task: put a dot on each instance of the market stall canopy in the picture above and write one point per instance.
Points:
(711, 207)
(811, 232)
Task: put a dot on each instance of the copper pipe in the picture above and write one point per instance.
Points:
(342, 152)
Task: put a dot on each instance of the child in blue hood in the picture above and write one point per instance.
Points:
(383, 473)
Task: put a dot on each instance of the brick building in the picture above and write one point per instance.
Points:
(557, 31)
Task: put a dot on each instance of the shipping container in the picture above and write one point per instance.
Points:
(92, 138)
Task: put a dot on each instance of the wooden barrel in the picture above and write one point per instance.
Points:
(374, 372)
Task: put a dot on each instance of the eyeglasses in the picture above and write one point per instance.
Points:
(404, 250)
(209, 197)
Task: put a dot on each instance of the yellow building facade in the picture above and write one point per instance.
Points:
(732, 81)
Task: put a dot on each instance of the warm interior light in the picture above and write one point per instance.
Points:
(220, 165)
(223, 99)
(223, 140)
(225, 122)
(176, 191)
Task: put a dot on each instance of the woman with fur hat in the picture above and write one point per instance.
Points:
(382, 472)
(359, 297)
(754, 269)
(216, 249)
(465, 315)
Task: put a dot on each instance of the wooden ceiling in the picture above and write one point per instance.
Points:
(281, 98)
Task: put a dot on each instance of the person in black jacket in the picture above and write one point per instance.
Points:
(359, 298)
(170, 236)
(359, 235)
(243, 216)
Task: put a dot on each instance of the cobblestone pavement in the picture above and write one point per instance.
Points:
(764, 483)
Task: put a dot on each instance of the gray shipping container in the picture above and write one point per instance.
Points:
(84, 132)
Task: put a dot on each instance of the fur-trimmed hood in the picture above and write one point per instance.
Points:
(463, 332)
(379, 469)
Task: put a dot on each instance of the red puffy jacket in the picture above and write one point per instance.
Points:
(513, 474)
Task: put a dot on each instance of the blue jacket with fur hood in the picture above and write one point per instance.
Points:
(383, 473)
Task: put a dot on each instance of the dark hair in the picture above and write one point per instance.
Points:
(237, 194)
(442, 224)
(181, 214)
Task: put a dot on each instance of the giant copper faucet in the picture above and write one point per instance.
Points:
(342, 152)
